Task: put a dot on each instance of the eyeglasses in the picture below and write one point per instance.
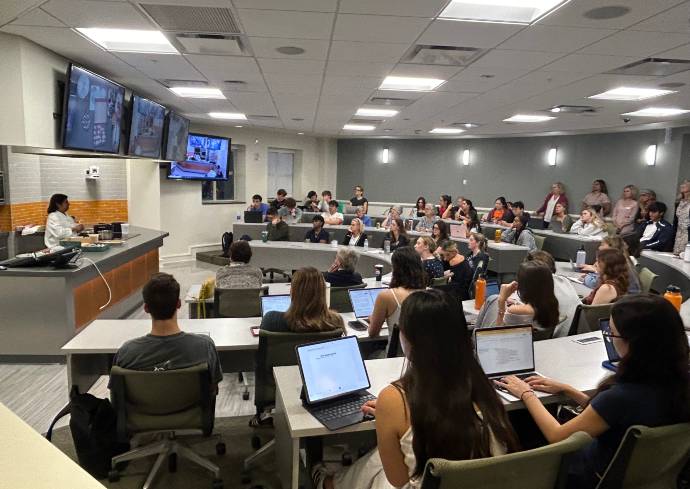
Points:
(608, 336)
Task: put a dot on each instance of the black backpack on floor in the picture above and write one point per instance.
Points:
(226, 242)
(93, 426)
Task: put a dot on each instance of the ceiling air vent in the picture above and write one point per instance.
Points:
(211, 44)
(653, 67)
(393, 102)
(179, 18)
(262, 117)
(424, 54)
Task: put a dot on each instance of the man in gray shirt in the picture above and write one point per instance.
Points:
(167, 347)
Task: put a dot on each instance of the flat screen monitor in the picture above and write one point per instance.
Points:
(146, 129)
(92, 116)
(206, 159)
(176, 136)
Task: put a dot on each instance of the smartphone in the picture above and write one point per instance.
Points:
(588, 340)
(255, 330)
(356, 325)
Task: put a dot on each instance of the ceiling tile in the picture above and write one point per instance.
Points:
(636, 43)
(520, 60)
(470, 34)
(38, 17)
(672, 20)
(478, 79)
(402, 8)
(274, 23)
(295, 84)
(89, 13)
(265, 47)
(378, 28)
(589, 63)
(356, 68)
(681, 52)
(11, 9)
(302, 5)
(220, 68)
(161, 66)
(354, 84)
(213, 105)
(253, 103)
(292, 66)
(554, 39)
(572, 14)
(367, 51)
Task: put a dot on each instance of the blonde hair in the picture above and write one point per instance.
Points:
(308, 310)
(359, 222)
(596, 220)
(635, 191)
(481, 241)
(428, 242)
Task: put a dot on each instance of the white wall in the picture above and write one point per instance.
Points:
(12, 114)
(144, 193)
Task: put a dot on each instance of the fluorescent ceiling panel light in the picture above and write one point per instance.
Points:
(197, 92)
(358, 127)
(405, 83)
(129, 41)
(466, 157)
(230, 116)
(446, 130)
(507, 11)
(528, 118)
(385, 155)
(657, 112)
(650, 155)
(551, 156)
(364, 112)
(631, 93)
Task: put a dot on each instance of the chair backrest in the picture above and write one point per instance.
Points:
(649, 458)
(439, 281)
(340, 298)
(541, 468)
(586, 318)
(237, 303)
(647, 278)
(539, 241)
(393, 348)
(278, 350)
(142, 400)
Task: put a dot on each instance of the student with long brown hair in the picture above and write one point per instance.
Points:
(613, 277)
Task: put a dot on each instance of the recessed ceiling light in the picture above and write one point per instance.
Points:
(197, 92)
(631, 93)
(239, 126)
(358, 127)
(507, 11)
(446, 130)
(657, 112)
(129, 41)
(406, 83)
(364, 112)
(555, 109)
(388, 130)
(231, 116)
(470, 125)
(528, 118)
(300, 134)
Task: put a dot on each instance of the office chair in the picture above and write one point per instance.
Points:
(586, 318)
(539, 241)
(340, 299)
(647, 278)
(144, 407)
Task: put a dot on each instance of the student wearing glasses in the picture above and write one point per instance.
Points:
(359, 200)
(457, 268)
(646, 330)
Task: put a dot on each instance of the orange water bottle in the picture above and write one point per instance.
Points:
(674, 296)
(479, 292)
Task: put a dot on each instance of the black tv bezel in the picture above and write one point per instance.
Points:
(166, 134)
(65, 113)
(205, 179)
(131, 120)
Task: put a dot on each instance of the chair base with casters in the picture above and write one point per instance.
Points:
(168, 447)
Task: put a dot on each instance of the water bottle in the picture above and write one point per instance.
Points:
(479, 292)
(387, 245)
(686, 255)
(674, 296)
(581, 257)
(366, 244)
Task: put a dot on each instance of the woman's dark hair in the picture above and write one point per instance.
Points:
(240, 252)
(615, 268)
(469, 204)
(657, 349)
(312, 193)
(401, 227)
(502, 200)
(408, 271)
(543, 257)
(472, 214)
(602, 186)
(535, 286)
(523, 226)
(442, 232)
(55, 201)
(423, 200)
(447, 199)
(443, 408)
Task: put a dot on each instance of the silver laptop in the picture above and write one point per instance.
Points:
(363, 301)
(458, 230)
(279, 303)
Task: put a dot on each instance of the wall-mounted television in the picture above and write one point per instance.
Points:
(92, 116)
(176, 135)
(206, 159)
(146, 128)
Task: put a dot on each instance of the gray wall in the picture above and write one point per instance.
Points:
(514, 167)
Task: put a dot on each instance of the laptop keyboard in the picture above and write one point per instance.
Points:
(342, 408)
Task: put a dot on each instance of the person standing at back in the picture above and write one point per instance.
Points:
(681, 221)
(556, 196)
(359, 200)
(59, 225)
(598, 196)
(625, 209)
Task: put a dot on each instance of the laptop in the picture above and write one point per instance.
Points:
(614, 358)
(253, 217)
(458, 230)
(278, 303)
(363, 301)
(335, 381)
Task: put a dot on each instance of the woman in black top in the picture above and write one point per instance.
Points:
(439, 233)
(457, 267)
(477, 255)
(397, 235)
(470, 215)
(425, 246)
(418, 210)
(355, 236)
(359, 200)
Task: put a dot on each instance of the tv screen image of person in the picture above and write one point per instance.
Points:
(206, 159)
(92, 117)
(176, 137)
(146, 130)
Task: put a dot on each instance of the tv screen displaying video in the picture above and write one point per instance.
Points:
(146, 130)
(176, 139)
(206, 159)
(92, 117)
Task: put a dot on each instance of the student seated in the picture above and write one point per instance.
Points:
(520, 234)
(167, 347)
(397, 235)
(332, 217)
(518, 210)
(649, 388)
(444, 202)
(425, 246)
(457, 268)
(308, 311)
(561, 216)
(439, 233)
(470, 216)
(589, 224)
(419, 207)
(361, 215)
(258, 206)
(342, 272)
(591, 279)
(454, 213)
(311, 203)
(290, 213)
(500, 212)
(656, 233)
(359, 200)
(472, 424)
(239, 274)
(317, 234)
(613, 277)
(393, 213)
(326, 197)
(477, 256)
(355, 235)
(277, 229)
(425, 224)
(279, 201)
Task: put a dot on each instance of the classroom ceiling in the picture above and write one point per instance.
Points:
(347, 48)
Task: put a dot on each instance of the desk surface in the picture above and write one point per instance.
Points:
(29, 461)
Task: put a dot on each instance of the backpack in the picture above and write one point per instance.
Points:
(93, 424)
(225, 242)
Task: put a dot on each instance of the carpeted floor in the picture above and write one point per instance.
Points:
(237, 437)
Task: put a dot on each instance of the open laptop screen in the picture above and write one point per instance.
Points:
(605, 327)
(274, 303)
(458, 230)
(363, 301)
(332, 368)
(505, 350)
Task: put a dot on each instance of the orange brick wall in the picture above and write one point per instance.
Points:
(87, 211)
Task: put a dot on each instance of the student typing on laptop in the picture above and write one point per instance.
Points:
(418, 404)
(651, 386)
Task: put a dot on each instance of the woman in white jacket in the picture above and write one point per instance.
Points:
(589, 224)
(59, 225)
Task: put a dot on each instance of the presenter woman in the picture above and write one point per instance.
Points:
(59, 225)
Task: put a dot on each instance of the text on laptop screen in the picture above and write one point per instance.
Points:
(605, 326)
(332, 368)
(505, 350)
(279, 303)
(363, 301)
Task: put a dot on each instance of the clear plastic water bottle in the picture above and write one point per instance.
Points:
(387, 246)
(686, 255)
(366, 244)
(581, 257)
(238, 216)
